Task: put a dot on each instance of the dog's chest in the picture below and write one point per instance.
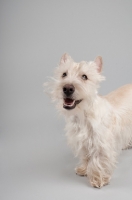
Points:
(79, 134)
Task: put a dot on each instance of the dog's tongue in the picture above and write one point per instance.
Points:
(68, 101)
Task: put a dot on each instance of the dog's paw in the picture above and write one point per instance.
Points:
(81, 170)
(97, 183)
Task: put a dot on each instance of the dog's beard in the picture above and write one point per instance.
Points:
(70, 103)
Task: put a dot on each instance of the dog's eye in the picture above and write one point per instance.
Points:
(64, 74)
(84, 77)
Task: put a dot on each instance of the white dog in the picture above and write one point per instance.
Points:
(97, 127)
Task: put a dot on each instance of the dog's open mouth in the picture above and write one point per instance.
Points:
(70, 103)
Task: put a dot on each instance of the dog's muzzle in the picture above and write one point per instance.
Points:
(69, 102)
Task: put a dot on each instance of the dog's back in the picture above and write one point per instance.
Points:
(121, 98)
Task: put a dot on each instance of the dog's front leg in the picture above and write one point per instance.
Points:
(81, 170)
(100, 169)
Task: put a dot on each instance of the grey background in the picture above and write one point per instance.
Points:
(35, 162)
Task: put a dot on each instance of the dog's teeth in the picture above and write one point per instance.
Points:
(70, 105)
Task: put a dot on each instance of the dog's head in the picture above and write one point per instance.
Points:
(75, 83)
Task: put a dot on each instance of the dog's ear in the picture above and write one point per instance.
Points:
(65, 58)
(99, 62)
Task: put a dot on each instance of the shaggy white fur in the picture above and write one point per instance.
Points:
(97, 127)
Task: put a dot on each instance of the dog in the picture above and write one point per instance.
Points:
(97, 127)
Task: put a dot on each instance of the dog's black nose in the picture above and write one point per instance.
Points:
(68, 89)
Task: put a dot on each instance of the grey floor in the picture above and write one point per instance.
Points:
(35, 161)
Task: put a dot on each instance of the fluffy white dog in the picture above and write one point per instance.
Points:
(97, 127)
